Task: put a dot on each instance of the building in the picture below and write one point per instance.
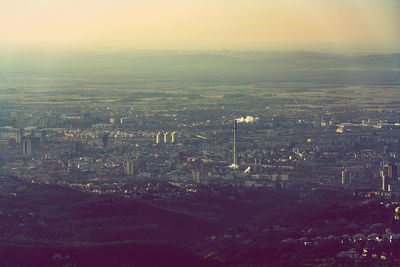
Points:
(389, 173)
(158, 138)
(130, 167)
(347, 177)
(165, 137)
(257, 166)
(392, 171)
(386, 183)
(105, 140)
(20, 134)
(279, 181)
(135, 166)
(31, 121)
(44, 122)
(200, 175)
(42, 137)
(173, 137)
(27, 146)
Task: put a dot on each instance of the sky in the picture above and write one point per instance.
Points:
(202, 24)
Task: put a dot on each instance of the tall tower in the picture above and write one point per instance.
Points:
(234, 142)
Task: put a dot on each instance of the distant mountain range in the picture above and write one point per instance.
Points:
(220, 66)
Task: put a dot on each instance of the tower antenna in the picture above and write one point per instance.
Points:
(234, 142)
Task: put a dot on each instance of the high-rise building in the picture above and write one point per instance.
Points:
(347, 177)
(42, 137)
(20, 134)
(27, 146)
(130, 167)
(389, 173)
(392, 171)
(173, 137)
(105, 140)
(257, 166)
(85, 116)
(158, 138)
(44, 122)
(31, 121)
(386, 183)
(165, 137)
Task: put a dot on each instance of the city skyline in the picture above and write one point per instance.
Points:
(199, 133)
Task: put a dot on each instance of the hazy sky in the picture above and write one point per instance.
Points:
(201, 24)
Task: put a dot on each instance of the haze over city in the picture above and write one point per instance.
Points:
(199, 133)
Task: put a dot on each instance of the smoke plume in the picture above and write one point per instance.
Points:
(248, 119)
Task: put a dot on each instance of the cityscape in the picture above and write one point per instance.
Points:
(199, 133)
(312, 171)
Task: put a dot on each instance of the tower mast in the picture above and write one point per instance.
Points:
(234, 142)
